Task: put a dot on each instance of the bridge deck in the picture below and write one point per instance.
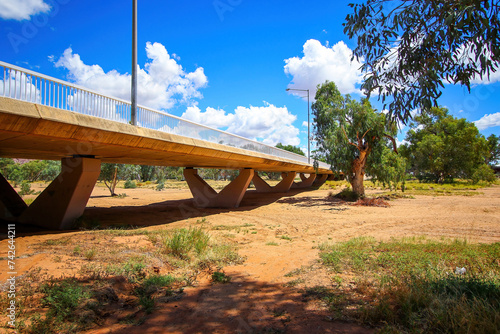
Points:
(29, 130)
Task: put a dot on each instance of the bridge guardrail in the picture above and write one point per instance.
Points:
(29, 86)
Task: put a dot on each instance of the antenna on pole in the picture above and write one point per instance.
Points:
(133, 116)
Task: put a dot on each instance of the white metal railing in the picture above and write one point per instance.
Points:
(25, 85)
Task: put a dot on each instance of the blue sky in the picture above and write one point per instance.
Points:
(224, 63)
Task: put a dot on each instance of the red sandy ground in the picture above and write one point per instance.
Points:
(257, 299)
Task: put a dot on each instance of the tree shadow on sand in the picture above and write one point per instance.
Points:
(243, 305)
(160, 213)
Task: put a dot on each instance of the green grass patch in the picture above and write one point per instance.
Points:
(195, 248)
(458, 187)
(220, 277)
(183, 241)
(57, 242)
(69, 310)
(159, 281)
(346, 195)
(294, 282)
(413, 284)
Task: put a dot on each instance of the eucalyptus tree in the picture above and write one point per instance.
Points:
(353, 137)
(410, 49)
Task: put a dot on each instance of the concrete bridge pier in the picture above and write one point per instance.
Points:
(320, 179)
(63, 201)
(306, 181)
(282, 187)
(229, 197)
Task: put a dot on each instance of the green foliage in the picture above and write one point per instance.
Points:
(111, 173)
(484, 173)
(494, 149)
(31, 171)
(347, 195)
(129, 184)
(413, 284)
(25, 189)
(63, 299)
(410, 49)
(291, 148)
(90, 254)
(149, 286)
(441, 147)
(352, 136)
(220, 277)
(182, 241)
(388, 168)
(5, 165)
(147, 173)
(133, 269)
(172, 173)
(159, 281)
(160, 186)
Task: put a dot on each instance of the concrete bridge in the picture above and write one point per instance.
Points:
(46, 118)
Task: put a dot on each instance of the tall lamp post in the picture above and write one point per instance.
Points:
(308, 124)
(133, 98)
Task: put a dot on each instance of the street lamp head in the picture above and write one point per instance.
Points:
(288, 89)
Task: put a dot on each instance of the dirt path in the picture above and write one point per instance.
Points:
(276, 235)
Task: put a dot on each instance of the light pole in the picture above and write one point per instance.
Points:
(133, 98)
(308, 124)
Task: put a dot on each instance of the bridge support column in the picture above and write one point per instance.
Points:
(320, 180)
(11, 204)
(306, 181)
(66, 197)
(282, 187)
(229, 197)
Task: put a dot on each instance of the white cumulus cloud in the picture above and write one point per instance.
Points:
(22, 9)
(269, 124)
(488, 121)
(215, 118)
(161, 83)
(467, 54)
(321, 63)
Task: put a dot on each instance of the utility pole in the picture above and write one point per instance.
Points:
(133, 116)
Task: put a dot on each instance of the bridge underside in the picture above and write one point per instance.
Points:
(82, 142)
(32, 131)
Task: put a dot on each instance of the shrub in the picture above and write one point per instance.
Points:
(182, 241)
(220, 277)
(90, 254)
(412, 285)
(484, 173)
(129, 184)
(25, 189)
(158, 281)
(347, 195)
(160, 186)
(63, 298)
